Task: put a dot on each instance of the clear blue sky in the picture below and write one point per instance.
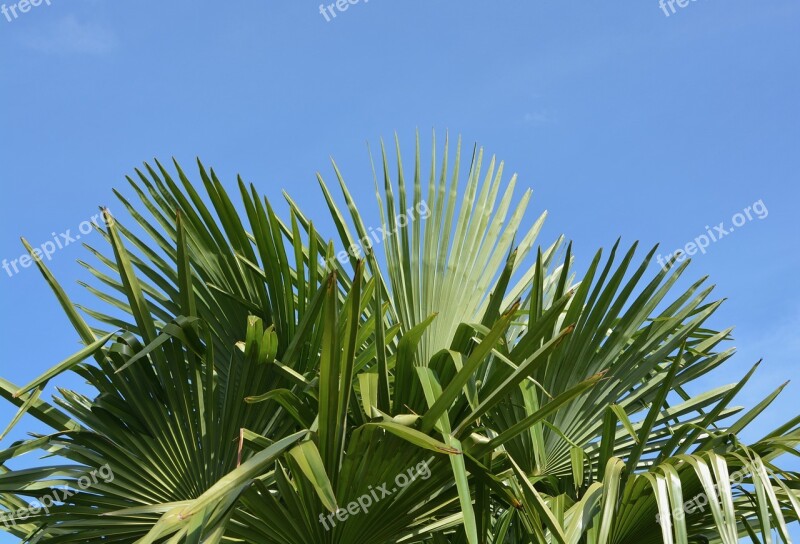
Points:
(625, 121)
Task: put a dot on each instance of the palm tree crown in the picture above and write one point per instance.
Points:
(443, 378)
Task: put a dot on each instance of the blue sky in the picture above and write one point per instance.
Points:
(625, 122)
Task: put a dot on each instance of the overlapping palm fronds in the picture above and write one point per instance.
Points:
(250, 387)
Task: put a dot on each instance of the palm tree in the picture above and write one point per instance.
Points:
(250, 384)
